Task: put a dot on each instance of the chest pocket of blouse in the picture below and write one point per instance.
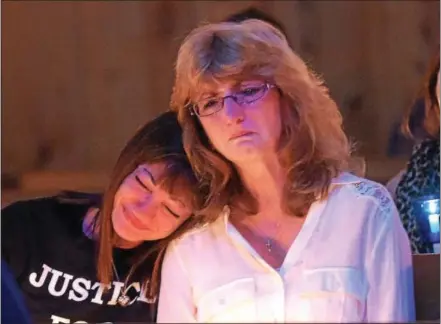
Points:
(332, 295)
(233, 302)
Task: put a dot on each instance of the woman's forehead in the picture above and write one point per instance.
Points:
(153, 170)
(179, 189)
(210, 89)
(176, 184)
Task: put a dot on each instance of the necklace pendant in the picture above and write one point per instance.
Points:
(268, 245)
(123, 300)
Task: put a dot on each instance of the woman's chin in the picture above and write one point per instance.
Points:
(248, 154)
(130, 237)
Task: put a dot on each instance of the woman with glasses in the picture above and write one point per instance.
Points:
(291, 236)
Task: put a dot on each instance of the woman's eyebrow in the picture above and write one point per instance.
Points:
(152, 179)
(207, 95)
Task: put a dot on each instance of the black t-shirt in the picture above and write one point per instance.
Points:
(54, 264)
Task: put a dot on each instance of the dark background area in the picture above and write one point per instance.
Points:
(79, 77)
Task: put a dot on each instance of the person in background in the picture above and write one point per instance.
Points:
(399, 144)
(94, 258)
(421, 177)
(255, 13)
(292, 237)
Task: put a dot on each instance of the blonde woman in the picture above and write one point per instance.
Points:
(292, 236)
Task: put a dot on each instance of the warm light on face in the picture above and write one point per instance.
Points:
(144, 210)
(244, 127)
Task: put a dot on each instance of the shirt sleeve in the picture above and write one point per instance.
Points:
(175, 303)
(390, 275)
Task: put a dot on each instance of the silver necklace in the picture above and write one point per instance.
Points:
(269, 242)
(123, 300)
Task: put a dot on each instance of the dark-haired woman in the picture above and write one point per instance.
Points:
(421, 177)
(88, 258)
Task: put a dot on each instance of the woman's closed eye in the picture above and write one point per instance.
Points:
(142, 184)
(170, 211)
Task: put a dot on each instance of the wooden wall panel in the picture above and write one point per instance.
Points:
(398, 57)
(80, 77)
(39, 83)
(116, 55)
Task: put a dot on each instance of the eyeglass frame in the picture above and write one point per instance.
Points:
(266, 85)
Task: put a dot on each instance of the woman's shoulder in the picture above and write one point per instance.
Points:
(43, 209)
(202, 234)
(20, 208)
(195, 234)
(356, 188)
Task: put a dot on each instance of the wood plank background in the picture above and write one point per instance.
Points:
(80, 77)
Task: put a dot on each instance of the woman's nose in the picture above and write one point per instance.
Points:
(233, 112)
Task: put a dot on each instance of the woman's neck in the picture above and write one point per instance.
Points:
(265, 180)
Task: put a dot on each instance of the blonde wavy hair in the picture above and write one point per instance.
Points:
(313, 148)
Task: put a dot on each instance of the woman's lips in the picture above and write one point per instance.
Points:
(240, 134)
(135, 221)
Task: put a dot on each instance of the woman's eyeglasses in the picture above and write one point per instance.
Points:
(242, 97)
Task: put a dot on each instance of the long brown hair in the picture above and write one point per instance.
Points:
(430, 121)
(313, 147)
(159, 140)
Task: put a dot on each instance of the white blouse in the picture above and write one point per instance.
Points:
(351, 262)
